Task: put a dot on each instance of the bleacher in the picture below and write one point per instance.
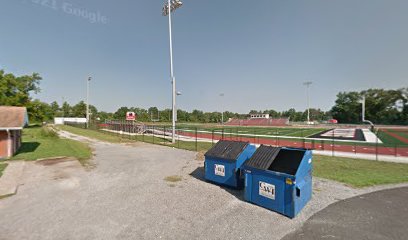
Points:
(258, 122)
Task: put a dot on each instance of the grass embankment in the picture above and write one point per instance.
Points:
(41, 142)
(353, 172)
(359, 172)
(2, 167)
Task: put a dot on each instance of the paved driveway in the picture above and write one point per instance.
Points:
(125, 196)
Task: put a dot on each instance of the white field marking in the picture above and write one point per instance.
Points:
(339, 132)
(370, 136)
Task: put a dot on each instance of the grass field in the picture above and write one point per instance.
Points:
(39, 143)
(358, 172)
(276, 131)
(388, 139)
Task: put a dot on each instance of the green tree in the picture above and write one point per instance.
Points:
(15, 91)
(55, 109)
(347, 107)
(39, 111)
(66, 110)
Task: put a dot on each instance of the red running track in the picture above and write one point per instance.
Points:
(325, 145)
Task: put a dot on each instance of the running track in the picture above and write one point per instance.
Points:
(325, 145)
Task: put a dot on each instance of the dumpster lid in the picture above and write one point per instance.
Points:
(287, 161)
(276, 159)
(228, 150)
(263, 157)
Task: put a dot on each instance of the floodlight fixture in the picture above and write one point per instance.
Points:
(174, 4)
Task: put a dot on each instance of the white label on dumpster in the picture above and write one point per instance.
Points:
(267, 190)
(219, 170)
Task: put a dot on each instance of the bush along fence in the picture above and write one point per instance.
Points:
(196, 138)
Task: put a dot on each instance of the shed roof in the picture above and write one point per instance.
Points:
(228, 150)
(13, 117)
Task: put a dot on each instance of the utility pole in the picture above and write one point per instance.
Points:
(222, 110)
(87, 101)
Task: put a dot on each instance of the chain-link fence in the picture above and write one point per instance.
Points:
(384, 142)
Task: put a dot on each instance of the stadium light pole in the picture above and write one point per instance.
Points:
(222, 110)
(168, 7)
(87, 101)
(307, 84)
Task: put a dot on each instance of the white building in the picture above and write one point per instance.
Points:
(260, 115)
(63, 120)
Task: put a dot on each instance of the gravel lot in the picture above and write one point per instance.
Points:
(124, 196)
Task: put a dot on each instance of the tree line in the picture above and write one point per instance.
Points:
(382, 106)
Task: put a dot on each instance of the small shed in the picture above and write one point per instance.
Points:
(12, 121)
(224, 160)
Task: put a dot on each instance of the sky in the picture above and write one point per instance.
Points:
(258, 53)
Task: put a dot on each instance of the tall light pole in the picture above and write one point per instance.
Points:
(307, 84)
(87, 101)
(222, 110)
(168, 7)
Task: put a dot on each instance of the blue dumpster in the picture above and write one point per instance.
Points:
(279, 179)
(224, 160)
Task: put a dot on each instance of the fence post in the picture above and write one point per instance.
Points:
(196, 146)
(239, 137)
(178, 138)
(395, 150)
(212, 138)
(222, 136)
(164, 134)
(376, 148)
(129, 129)
(333, 143)
(153, 134)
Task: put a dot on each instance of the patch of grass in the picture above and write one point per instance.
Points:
(173, 179)
(359, 173)
(7, 195)
(191, 146)
(2, 167)
(99, 135)
(39, 143)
